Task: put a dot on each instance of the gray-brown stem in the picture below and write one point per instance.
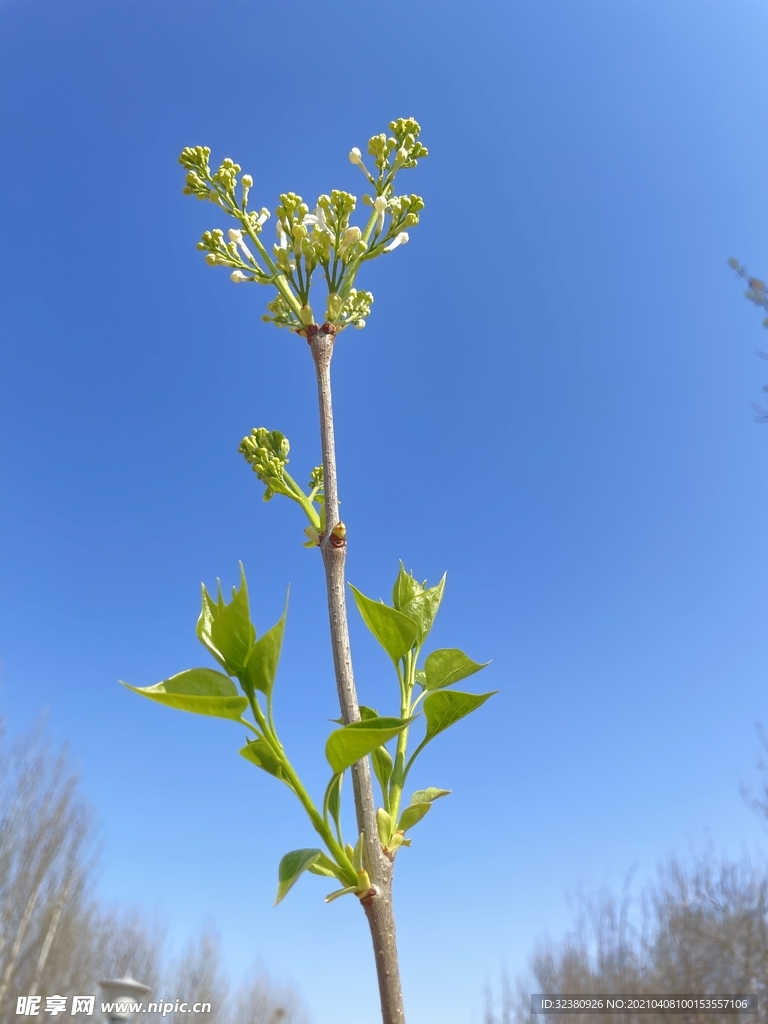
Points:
(378, 902)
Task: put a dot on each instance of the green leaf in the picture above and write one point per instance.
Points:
(446, 667)
(333, 799)
(202, 691)
(405, 588)
(412, 815)
(226, 629)
(396, 633)
(382, 767)
(349, 744)
(422, 796)
(423, 608)
(261, 664)
(381, 757)
(445, 707)
(260, 753)
(326, 867)
(291, 867)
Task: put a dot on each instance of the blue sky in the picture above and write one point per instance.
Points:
(551, 400)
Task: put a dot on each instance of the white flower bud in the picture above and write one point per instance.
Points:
(235, 235)
(400, 239)
(380, 206)
(238, 277)
(355, 156)
(247, 181)
(359, 324)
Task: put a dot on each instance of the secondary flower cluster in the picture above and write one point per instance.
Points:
(307, 240)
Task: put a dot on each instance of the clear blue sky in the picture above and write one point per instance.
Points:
(552, 401)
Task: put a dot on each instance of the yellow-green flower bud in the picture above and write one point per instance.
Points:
(333, 309)
(247, 181)
(306, 316)
(210, 259)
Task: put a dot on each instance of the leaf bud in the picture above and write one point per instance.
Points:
(363, 883)
(306, 316)
(384, 822)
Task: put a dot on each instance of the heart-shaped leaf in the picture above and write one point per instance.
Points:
(349, 744)
(396, 633)
(445, 707)
(203, 691)
(291, 867)
(448, 666)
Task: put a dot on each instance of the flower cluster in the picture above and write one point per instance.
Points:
(266, 451)
(321, 240)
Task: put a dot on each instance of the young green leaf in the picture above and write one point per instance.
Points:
(260, 753)
(445, 707)
(202, 691)
(446, 667)
(384, 824)
(326, 867)
(422, 796)
(382, 767)
(405, 588)
(333, 800)
(412, 815)
(205, 625)
(349, 744)
(423, 608)
(291, 867)
(397, 633)
(226, 629)
(262, 661)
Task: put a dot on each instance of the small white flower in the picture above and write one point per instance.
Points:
(282, 238)
(380, 206)
(264, 216)
(236, 235)
(400, 239)
(359, 324)
(351, 237)
(238, 277)
(355, 156)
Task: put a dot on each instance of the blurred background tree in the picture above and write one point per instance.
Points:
(56, 938)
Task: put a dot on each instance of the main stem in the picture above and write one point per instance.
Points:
(377, 903)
